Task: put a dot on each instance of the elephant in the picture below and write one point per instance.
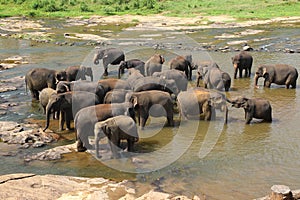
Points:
(154, 64)
(145, 101)
(155, 83)
(134, 74)
(86, 118)
(111, 56)
(39, 78)
(116, 128)
(116, 96)
(178, 76)
(69, 103)
(132, 63)
(254, 108)
(183, 63)
(242, 61)
(87, 86)
(213, 77)
(200, 102)
(280, 74)
(113, 83)
(44, 97)
(78, 72)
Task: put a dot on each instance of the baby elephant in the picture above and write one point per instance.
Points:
(254, 108)
(116, 128)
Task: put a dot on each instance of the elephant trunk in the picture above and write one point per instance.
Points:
(256, 77)
(48, 112)
(225, 114)
(92, 78)
(96, 59)
(119, 72)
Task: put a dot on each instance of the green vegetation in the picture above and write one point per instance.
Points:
(243, 9)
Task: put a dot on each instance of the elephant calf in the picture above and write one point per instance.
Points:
(116, 128)
(254, 108)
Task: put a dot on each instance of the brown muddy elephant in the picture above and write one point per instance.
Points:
(146, 100)
(254, 108)
(280, 74)
(37, 79)
(199, 102)
(75, 73)
(183, 63)
(116, 128)
(112, 56)
(242, 61)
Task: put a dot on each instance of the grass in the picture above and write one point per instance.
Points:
(241, 9)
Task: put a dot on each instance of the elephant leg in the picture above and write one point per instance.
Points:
(62, 120)
(248, 117)
(80, 147)
(114, 147)
(267, 83)
(68, 119)
(246, 72)
(35, 94)
(170, 118)
(206, 111)
(235, 73)
(240, 72)
(144, 120)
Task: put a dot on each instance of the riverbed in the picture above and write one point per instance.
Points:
(235, 161)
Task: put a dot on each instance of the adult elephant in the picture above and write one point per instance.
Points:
(86, 119)
(39, 78)
(154, 102)
(86, 86)
(183, 63)
(133, 76)
(154, 64)
(116, 96)
(213, 77)
(280, 74)
(111, 56)
(200, 102)
(69, 104)
(113, 83)
(254, 108)
(116, 128)
(242, 61)
(155, 83)
(172, 74)
(132, 63)
(75, 73)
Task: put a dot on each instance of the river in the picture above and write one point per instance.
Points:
(235, 161)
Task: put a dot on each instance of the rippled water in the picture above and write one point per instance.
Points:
(246, 159)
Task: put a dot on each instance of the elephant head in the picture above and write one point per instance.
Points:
(100, 130)
(218, 101)
(239, 102)
(260, 72)
(63, 86)
(98, 56)
(86, 71)
(123, 65)
(159, 58)
(60, 76)
(55, 103)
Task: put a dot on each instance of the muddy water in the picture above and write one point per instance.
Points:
(235, 161)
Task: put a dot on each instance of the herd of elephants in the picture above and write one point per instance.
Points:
(109, 107)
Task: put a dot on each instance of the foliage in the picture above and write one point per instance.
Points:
(236, 8)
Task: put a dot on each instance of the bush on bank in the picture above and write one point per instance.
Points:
(242, 9)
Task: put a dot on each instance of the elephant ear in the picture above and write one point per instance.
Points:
(162, 59)
(134, 101)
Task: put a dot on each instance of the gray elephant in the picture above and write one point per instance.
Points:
(178, 76)
(254, 108)
(155, 83)
(242, 61)
(86, 86)
(116, 96)
(213, 77)
(39, 78)
(86, 119)
(132, 63)
(116, 128)
(146, 100)
(69, 104)
(44, 97)
(133, 76)
(154, 64)
(183, 63)
(111, 56)
(75, 73)
(279, 74)
(200, 102)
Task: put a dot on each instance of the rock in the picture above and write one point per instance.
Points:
(281, 192)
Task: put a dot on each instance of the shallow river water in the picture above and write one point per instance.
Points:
(235, 161)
